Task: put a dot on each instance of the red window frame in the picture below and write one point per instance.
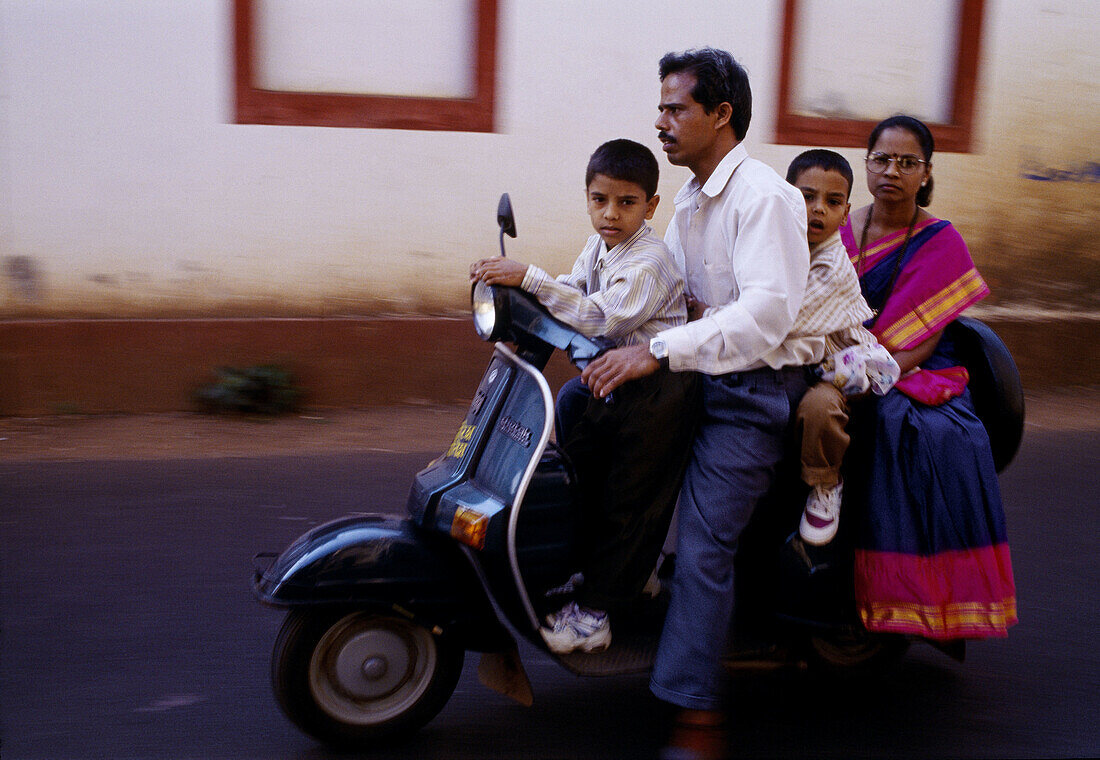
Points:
(257, 106)
(955, 136)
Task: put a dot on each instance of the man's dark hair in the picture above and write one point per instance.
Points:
(827, 160)
(625, 160)
(718, 79)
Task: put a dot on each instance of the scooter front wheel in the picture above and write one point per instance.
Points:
(346, 678)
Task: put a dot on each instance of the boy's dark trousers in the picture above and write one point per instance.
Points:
(630, 457)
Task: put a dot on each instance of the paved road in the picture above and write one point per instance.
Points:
(128, 629)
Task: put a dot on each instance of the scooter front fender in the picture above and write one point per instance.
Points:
(389, 564)
(386, 563)
(361, 557)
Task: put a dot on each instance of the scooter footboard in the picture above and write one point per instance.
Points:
(377, 561)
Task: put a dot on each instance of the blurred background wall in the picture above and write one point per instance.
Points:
(129, 189)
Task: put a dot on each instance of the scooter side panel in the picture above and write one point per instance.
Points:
(515, 440)
(545, 538)
(547, 524)
(454, 465)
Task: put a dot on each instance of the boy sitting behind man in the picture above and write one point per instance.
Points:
(629, 455)
(854, 361)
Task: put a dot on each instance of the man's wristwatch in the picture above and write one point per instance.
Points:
(659, 349)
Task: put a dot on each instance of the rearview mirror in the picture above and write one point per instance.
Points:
(505, 220)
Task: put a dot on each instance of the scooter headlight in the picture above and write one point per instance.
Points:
(483, 301)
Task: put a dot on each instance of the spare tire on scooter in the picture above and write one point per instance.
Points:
(349, 677)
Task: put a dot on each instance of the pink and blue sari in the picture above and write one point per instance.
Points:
(932, 555)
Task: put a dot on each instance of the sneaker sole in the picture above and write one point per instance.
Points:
(588, 646)
(817, 536)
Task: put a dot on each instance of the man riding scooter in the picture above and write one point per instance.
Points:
(740, 232)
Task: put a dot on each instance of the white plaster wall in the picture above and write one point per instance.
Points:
(346, 46)
(1039, 116)
(126, 189)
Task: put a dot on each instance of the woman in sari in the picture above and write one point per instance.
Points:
(932, 554)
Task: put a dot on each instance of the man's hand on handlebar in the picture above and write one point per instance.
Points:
(498, 271)
(612, 369)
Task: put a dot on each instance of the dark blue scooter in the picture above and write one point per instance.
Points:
(383, 609)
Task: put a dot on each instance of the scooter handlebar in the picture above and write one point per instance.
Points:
(510, 314)
(581, 353)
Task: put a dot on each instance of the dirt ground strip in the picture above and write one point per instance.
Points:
(392, 428)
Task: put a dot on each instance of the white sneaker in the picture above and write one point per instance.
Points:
(577, 627)
(553, 618)
(821, 518)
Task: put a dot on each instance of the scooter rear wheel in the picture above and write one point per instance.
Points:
(346, 678)
(855, 651)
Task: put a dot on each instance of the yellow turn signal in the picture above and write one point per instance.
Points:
(469, 526)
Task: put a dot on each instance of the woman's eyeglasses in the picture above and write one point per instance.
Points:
(877, 163)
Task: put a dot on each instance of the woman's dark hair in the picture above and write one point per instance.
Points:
(718, 79)
(827, 160)
(625, 160)
(919, 130)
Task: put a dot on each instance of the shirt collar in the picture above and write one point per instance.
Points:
(621, 248)
(718, 179)
(826, 242)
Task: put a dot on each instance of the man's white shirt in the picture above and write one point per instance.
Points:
(740, 239)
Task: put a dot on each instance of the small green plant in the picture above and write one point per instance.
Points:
(265, 389)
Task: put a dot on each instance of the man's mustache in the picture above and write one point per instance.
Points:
(665, 137)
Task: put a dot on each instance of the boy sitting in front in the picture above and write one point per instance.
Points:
(835, 308)
(629, 455)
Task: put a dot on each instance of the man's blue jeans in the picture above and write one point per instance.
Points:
(569, 407)
(744, 430)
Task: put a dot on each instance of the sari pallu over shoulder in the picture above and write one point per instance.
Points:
(936, 281)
